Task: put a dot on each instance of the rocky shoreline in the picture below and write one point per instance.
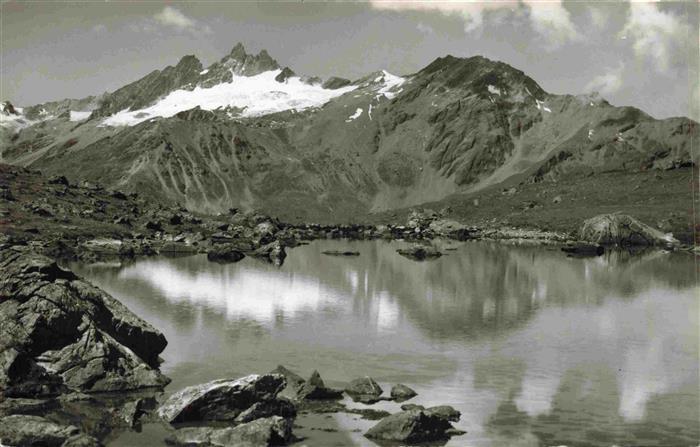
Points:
(65, 343)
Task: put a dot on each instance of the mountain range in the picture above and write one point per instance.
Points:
(247, 133)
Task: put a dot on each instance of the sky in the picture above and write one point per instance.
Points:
(640, 53)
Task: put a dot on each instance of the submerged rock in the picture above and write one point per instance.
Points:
(341, 253)
(60, 333)
(623, 230)
(272, 431)
(221, 400)
(419, 252)
(315, 389)
(412, 426)
(583, 249)
(224, 253)
(401, 392)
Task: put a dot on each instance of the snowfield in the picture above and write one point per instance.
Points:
(80, 115)
(257, 95)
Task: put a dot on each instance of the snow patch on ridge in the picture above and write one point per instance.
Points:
(355, 115)
(256, 95)
(541, 106)
(493, 89)
(391, 83)
(79, 115)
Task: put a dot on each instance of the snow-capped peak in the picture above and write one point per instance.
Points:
(256, 95)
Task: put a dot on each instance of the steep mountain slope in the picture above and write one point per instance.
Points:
(246, 133)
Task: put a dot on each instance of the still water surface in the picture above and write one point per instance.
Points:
(534, 348)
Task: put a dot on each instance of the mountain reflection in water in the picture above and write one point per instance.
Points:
(530, 345)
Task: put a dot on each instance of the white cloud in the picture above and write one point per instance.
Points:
(551, 20)
(470, 11)
(548, 18)
(656, 36)
(174, 18)
(423, 28)
(170, 16)
(607, 83)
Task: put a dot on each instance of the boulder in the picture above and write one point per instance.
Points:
(623, 230)
(224, 253)
(27, 406)
(58, 333)
(401, 392)
(25, 430)
(294, 380)
(445, 411)
(364, 386)
(272, 431)
(279, 406)
(450, 229)
(411, 426)
(419, 252)
(221, 400)
(315, 389)
(273, 252)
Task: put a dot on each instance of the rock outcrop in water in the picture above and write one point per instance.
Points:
(221, 400)
(623, 230)
(413, 426)
(60, 333)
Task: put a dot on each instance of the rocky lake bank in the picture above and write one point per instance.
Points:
(76, 364)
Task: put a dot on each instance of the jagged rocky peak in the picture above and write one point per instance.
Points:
(238, 63)
(244, 64)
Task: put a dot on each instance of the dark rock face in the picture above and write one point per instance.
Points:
(24, 430)
(58, 332)
(419, 252)
(623, 230)
(285, 74)
(411, 426)
(401, 392)
(315, 389)
(272, 431)
(148, 89)
(335, 82)
(222, 400)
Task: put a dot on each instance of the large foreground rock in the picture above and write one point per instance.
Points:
(623, 230)
(24, 430)
(272, 431)
(221, 400)
(412, 426)
(58, 332)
